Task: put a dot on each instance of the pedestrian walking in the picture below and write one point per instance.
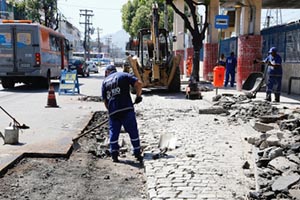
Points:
(117, 100)
(274, 74)
(230, 70)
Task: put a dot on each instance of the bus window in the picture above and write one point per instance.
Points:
(23, 39)
(5, 40)
(54, 43)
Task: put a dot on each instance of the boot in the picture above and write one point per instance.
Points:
(114, 156)
(139, 157)
(277, 97)
(268, 97)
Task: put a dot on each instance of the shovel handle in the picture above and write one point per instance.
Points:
(84, 133)
(15, 121)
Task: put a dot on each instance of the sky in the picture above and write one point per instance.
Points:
(280, 16)
(107, 14)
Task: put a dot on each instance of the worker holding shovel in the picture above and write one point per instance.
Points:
(117, 99)
(274, 74)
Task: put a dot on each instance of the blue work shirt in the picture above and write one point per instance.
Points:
(116, 92)
(231, 63)
(275, 71)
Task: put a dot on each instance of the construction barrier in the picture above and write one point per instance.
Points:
(68, 82)
(51, 101)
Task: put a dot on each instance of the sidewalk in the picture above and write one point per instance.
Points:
(207, 163)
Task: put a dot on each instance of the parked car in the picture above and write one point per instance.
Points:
(77, 63)
(105, 61)
(92, 66)
(96, 60)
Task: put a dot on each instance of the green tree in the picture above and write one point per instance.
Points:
(197, 30)
(136, 14)
(32, 9)
(18, 9)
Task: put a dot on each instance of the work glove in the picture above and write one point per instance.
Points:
(138, 99)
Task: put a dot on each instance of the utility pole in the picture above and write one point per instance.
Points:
(109, 40)
(98, 39)
(86, 43)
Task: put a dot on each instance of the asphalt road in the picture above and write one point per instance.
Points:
(51, 129)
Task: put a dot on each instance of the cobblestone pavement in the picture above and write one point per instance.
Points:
(207, 162)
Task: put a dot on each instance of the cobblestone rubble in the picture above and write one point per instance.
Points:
(276, 145)
(208, 158)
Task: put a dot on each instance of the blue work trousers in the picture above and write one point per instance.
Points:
(128, 120)
(230, 73)
(274, 84)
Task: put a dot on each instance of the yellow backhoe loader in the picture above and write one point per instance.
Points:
(154, 64)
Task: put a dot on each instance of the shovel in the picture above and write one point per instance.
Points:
(76, 145)
(167, 141)
(16, 123)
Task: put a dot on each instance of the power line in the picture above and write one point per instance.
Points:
(86, 43)
(94, 8)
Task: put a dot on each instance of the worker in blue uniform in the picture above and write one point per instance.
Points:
(274, 62)
(274, 74)
(230, 69)
(117, 99)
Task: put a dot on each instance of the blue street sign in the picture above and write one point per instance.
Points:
(221, 21)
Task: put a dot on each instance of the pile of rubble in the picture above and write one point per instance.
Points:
(276, 146)
(90, 98)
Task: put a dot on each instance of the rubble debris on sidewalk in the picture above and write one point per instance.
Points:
(90, 98)
(276, 147)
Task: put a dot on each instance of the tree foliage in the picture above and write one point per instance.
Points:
(136, 14)
(43, 12)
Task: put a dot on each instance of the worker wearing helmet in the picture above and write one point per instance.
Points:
(117, 99)
(274, 73)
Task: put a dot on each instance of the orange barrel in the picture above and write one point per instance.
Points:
(219, 74)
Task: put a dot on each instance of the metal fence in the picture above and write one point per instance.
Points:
(286, 38)
(227, 46)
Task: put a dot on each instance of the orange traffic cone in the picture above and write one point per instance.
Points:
(51, 103)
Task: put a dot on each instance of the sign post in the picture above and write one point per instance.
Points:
(221, 22)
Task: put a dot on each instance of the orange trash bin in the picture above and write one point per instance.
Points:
(219, 75)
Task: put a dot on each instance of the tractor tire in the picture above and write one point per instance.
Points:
(175, 83)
